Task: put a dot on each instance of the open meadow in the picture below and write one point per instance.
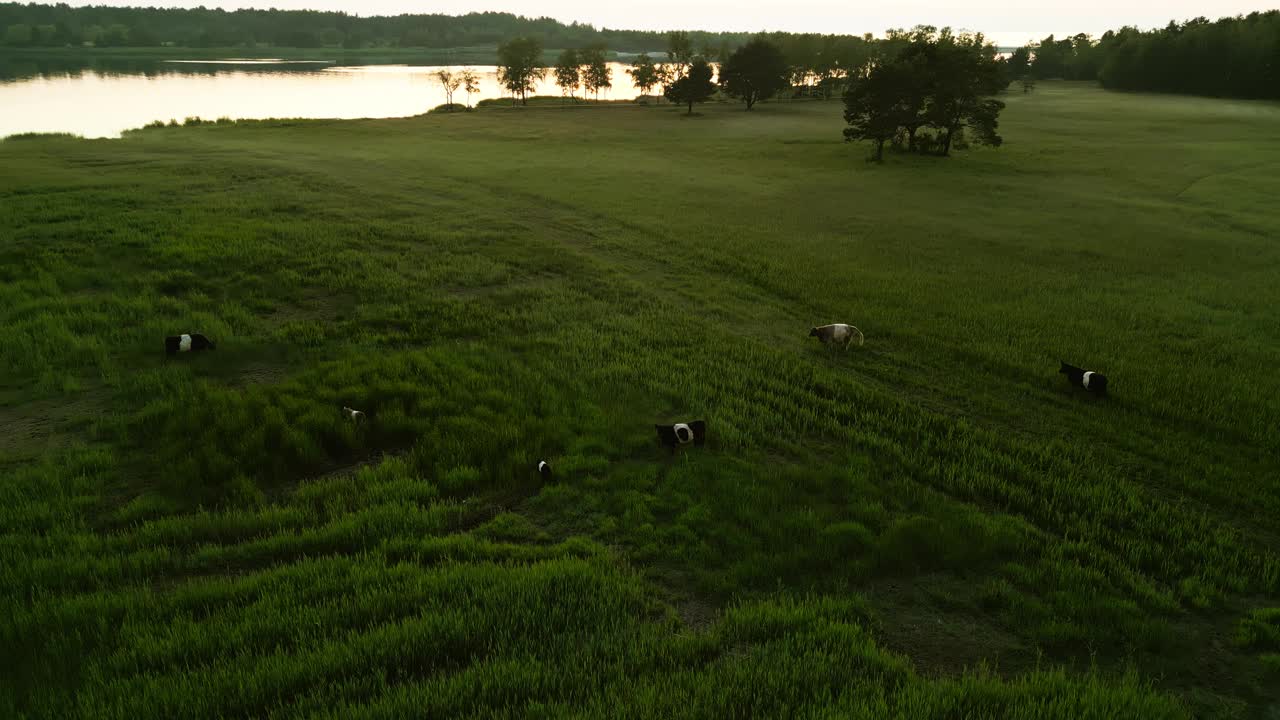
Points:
(933, 525)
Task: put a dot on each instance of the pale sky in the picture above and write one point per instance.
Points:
(1006, 22)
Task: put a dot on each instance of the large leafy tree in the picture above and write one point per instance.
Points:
(928, 78)
(694, 87)
(915, 74)
(644, 74)
(964, 77)
(520, 66)
(873, 106)
(568, 76)
(755, 72)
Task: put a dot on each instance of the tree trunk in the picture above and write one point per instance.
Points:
(951, 132)
(880, 150)
(690, 107)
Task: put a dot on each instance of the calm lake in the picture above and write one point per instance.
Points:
(103, 102)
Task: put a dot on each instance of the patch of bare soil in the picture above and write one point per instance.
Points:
(42, 425)
(258, 374)
(913, 619)
(315, 305)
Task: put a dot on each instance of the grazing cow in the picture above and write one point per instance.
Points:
(187, 343)
(354, 415)
(673, 436)
(544, 470)
(838, 334)
(1094, 382)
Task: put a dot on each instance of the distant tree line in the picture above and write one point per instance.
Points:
(32, 25)
(1230, 57)
(1235, 57)
(819, 64)
(757, 70)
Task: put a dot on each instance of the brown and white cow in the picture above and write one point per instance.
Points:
(838, 334)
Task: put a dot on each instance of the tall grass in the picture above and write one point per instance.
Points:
(933, 525)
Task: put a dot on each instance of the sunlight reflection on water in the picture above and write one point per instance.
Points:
(96, 104)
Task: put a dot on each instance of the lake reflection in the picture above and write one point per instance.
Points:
(107, 99)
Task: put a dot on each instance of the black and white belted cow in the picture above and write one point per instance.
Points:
(194, 342)
(678, 434)
(1094, 382)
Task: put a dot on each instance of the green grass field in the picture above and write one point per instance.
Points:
(931, 526)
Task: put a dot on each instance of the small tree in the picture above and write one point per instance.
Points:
(450, 81)
(568, 77)
(1020, 62)
(664, 75)
(644, 75)
(694, 87)
(596, 75)
(873, 107)
(754, 72)
(470, 84)
(983, 120)
(520, 66)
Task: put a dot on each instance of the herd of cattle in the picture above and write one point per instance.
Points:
(694, 432)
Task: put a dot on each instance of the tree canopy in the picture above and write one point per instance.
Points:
(755, 72)
(679, 51)
(596, 75)
(694, 87)
(874, 106)
(520, 66)
(644, 74)
(568, 76)
(934, 79)
(1230, 57)
(470, 84)
(450, 81)
(101, 26)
